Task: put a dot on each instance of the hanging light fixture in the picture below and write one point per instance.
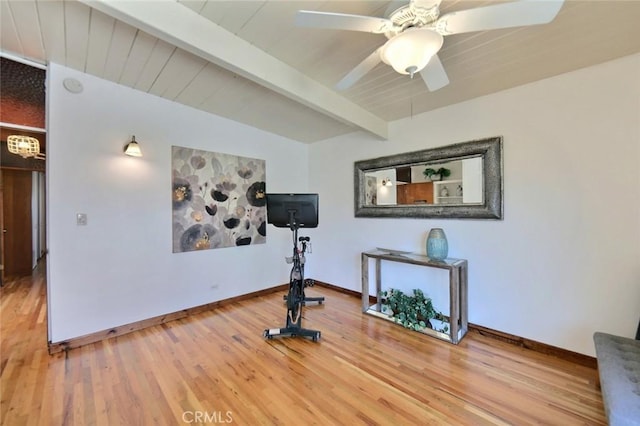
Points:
(132, 148)
(410, 51)
(24, 146)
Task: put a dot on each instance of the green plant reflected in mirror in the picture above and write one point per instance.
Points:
(463, 180)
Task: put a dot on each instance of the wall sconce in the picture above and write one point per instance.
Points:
(132, 148)
(387, 182)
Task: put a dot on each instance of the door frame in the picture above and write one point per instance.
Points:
(15, 162)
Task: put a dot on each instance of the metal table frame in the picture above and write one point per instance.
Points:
(458, 275)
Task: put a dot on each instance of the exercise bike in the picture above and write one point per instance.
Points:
(298, 207)
(308, 282)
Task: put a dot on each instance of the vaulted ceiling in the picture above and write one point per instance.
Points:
(247, 61)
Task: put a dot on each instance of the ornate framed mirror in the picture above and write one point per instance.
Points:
(459, 181)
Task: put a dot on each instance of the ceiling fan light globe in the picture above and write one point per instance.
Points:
(411, 50)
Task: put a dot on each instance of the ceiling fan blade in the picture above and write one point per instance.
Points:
(342, 21)
(434, 74)
(503, 15)
(359, 71)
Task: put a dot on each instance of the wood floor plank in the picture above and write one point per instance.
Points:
(215, 365)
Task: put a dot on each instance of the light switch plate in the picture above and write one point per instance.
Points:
(81, 219)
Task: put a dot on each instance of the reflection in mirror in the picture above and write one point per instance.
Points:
(455, 181)
(458, 182)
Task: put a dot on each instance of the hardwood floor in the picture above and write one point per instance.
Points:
(216, 367)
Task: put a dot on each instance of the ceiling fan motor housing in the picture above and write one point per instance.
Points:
(409, 16)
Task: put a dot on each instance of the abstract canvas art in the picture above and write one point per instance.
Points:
(371, 190)
(219, 200)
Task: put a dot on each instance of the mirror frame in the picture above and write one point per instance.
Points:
(490, 149)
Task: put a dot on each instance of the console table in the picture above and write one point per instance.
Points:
(458, 304)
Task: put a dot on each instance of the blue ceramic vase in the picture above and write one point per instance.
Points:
(437, 245)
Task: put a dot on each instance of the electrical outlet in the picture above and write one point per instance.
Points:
(81, 219)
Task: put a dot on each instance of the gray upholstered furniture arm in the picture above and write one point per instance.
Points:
(619, 370)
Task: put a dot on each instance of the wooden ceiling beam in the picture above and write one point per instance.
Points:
(180, 26)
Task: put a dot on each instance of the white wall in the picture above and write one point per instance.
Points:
(120, 267)
(565, 261)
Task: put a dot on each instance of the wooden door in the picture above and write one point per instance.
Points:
(1, 229)
(416, 193)
(16, 217)
(401, 194)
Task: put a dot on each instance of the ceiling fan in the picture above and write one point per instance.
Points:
(416, 31)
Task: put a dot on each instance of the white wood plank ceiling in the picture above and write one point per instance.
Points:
(247, 61)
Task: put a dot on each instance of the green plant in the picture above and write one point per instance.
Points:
(411, 311)
(428, 172)
(444, 172)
